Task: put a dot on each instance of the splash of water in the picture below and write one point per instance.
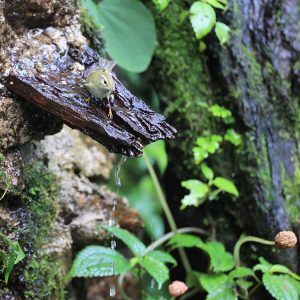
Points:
(111, 221)
(112, 291)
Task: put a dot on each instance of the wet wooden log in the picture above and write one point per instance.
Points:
(58, 88)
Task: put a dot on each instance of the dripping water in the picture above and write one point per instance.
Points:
(111, 221)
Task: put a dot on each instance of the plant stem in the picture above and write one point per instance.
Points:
(167, 236)
(167, 211)
(3, 195)
(190, 294)
(120, 284)
(246, 239)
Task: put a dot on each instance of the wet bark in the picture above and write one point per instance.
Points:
(256, 76)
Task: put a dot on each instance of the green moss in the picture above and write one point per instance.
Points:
(183, 85)
(291, 190)
(44, 278)
(42, 275)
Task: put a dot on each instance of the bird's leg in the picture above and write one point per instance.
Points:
(110, 98)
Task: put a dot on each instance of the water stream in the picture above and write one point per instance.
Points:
(111, 221)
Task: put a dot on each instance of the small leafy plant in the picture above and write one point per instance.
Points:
(11, 257)
(225, 278)
(206, 146)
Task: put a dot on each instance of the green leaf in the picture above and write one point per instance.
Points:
(156, 269)
(220, 259)
(222, 32)
(233, 137)
(221, 112)
(128, 31)
(14, 255)
(284, 270)
(185, 240)
(215, 3)
(202, 17)
(207, 171)
(226, 185)
(133, 243)
(92, 9)
(218, 287)
(197, 195)
(264, 266)
(244, 284)
(161, 4)
(241, 272)
(162, 256)
(212, 281)
(282, 287)
(97, 261)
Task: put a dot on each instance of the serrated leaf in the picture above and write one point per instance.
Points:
(162, 256)
(133, 243)
(156, 269)
(97, 261)
(240, 272)
(218, 287)
(220, 260)
(226, 185)
(203, 18)
(129, 44)
(281, 287)
(222, 32)
(210, 282)
(207, 171)
(215, 3)
(182, 240)
(161, 4)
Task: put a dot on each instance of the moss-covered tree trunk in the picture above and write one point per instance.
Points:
(256, 75)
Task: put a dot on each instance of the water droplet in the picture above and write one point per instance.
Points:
(111, 222)
(152, 283)
(113, 244)
(112, 291)
(117, 174)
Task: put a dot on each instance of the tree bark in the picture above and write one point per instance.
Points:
(256, 75)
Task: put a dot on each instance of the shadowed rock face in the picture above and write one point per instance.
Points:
(58, 88)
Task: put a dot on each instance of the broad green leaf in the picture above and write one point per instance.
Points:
(220, 260)
(161, 4)
(215, 3)
(240, 272)
(282, 287)
(199, 154)
(185, 240)
(222, 32)
(218, 287)
(156, 269)
(129, 32)
(162, 256)
(203, 18)
(207, 172)
(133, 243)
(233, 137)
(97, 261)
(226, 185)
(211, 282)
